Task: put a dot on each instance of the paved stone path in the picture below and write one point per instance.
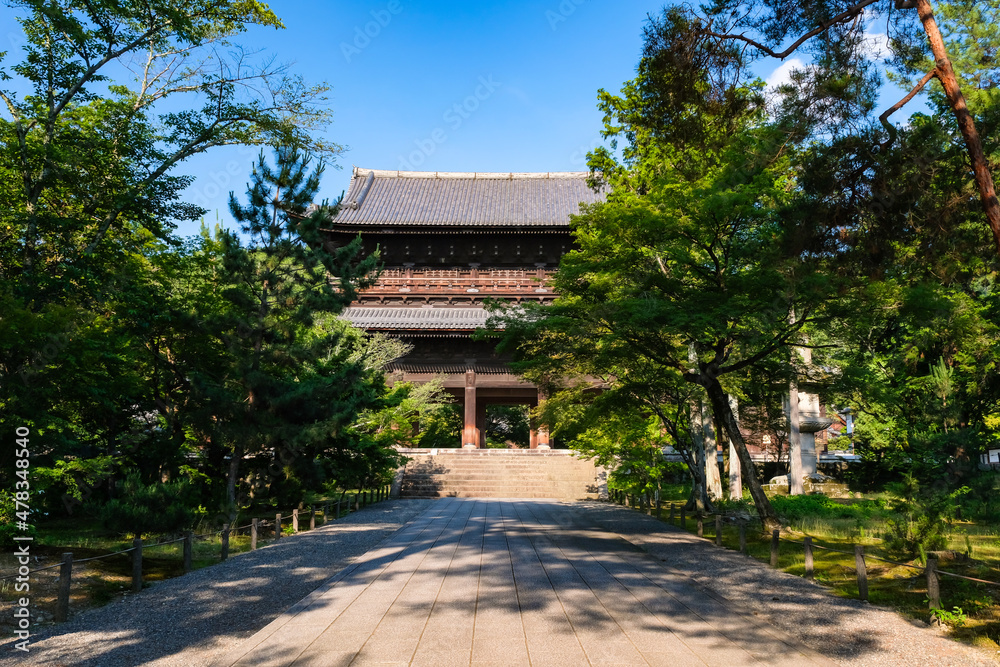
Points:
(509, 582)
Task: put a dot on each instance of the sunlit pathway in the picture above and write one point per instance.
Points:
(497, 582)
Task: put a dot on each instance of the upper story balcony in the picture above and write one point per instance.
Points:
(466, 284)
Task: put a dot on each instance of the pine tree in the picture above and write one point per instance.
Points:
(287, 389)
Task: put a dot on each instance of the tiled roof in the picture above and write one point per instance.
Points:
(429, 198)
(394, 317)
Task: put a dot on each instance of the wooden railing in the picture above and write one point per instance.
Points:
(394, 281)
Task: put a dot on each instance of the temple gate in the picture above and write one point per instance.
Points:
(450, 240)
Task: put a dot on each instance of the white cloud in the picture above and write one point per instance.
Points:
(783, 73)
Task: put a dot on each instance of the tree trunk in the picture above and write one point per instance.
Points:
(699, 500)
(946, 75)
(724, 413)
(713, 480)
(232, 477)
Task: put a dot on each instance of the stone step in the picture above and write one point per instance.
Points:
(487, 475)
(498, 474)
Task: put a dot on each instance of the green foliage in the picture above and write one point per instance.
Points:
(281, 391)
(442, 428)
(630, 447)
(956, 618)
(8, 521)
(72, 480)
(796, 508)
(507, 425)
(110, 344)
(919, 524)
(148, 509)
(403, 406)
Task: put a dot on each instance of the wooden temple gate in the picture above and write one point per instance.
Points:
(449, 241)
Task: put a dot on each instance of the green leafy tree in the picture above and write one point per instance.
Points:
(89, 195)
(87, 167)
(835, 93)
(697, 247)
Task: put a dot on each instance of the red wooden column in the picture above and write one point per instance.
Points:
(470, 435)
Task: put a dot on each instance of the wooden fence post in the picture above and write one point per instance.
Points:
(136, 564)
(188, 551)
(659, 506)
(672, 517)
(718, 530)
(65, 578)
(277, 527)
(357, 503)
(324, 513)
(337, 515)
(775, 537)
(295, 520)
(859, 562)
(253, 534)
(743, 536)
(701, 525)
(225, 541)
(933, 587)
(808, 544)
(312, 517)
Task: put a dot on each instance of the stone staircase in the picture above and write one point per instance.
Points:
(499, 473)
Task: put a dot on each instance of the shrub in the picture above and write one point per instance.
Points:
(918, 525)
(148, 509)
(914, 532)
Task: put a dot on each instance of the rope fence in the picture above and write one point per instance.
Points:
(930, 570)
(359, 500)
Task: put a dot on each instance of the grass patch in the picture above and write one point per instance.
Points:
(974, 550)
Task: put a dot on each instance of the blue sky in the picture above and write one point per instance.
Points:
(449, 86)
(443, 86)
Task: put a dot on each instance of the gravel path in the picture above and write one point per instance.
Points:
(189, 620)
(192, 620)
(851, 632)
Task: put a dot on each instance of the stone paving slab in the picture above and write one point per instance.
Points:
(513, 582)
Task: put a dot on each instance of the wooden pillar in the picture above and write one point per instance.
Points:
(470, 434)
(65, 578)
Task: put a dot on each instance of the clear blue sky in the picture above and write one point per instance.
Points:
(443, 86)
(525, 74)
